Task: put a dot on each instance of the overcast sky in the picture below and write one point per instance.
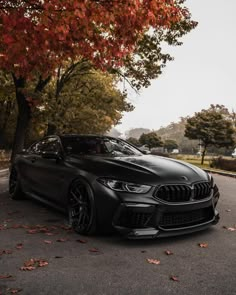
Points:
(202, 73)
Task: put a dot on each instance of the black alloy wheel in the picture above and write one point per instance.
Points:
(81, 208)
(15, 191)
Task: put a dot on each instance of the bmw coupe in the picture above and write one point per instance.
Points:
(105, 183)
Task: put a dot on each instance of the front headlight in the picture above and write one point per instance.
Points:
(122, 186)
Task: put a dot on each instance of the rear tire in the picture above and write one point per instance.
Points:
(81, 208)
(15, 190)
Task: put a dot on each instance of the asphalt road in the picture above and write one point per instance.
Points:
(111, 264)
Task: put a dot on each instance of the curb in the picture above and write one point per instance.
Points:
(221, 173)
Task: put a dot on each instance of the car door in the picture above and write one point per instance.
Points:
(47, 175)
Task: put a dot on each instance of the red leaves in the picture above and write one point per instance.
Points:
(153, 261)
(33, 263)
(24, 42)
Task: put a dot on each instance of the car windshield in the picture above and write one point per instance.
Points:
(83, 145)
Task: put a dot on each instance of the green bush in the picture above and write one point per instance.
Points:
(224, 164)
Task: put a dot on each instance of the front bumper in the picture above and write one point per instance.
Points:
(137, 220)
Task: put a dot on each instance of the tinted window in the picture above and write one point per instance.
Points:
(98, 146)
(50, 144)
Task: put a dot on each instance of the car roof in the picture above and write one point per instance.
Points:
(85, 135)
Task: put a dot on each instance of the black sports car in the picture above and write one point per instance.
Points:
(105, 183)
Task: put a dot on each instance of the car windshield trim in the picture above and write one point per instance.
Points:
(98, 146)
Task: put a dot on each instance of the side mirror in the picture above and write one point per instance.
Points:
(51, 155)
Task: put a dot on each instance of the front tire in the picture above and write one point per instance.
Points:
(81, 208)
(15, 190)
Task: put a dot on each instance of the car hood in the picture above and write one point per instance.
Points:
(147, 169)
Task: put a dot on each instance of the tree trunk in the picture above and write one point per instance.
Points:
(203, 155)
(7, 106)
(23, 118)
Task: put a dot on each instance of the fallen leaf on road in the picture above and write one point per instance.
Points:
(168, 252)
(81, 241)
(153, 261)
(32, 231)
(42, 263)
(203, 245)
(19, 246)
(6, 252)
(33, 263)
(174, 278)
(14, 291)
(62, 240)
(5, 276)
(49, 234)
(47, 242)
(230, 228)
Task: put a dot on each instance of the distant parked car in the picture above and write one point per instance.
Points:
(175, 151)
(234, 153)
(103, 182)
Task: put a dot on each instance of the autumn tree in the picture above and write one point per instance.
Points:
(170, 144)
(213, 127)
(136, 132)
(87, 103)
(37, 36)
(7, 107)
(151, 139)
(133, 141)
